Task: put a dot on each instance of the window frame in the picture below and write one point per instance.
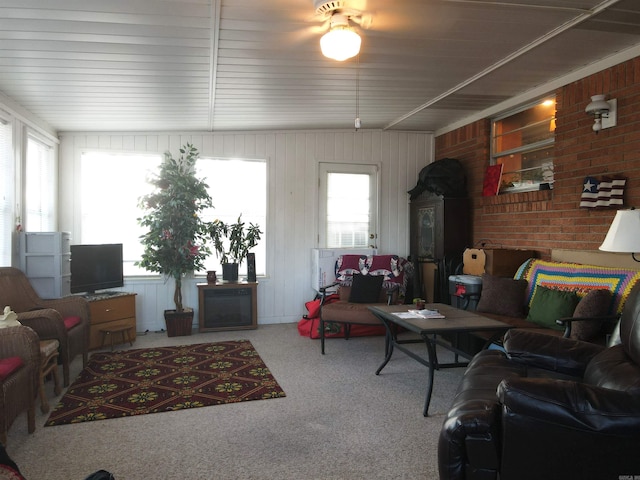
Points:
(8, 222)
(50, 212)
(212, 259)
(373, 170)
(544, 170)
(213, 262)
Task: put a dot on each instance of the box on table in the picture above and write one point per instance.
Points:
(505, 262)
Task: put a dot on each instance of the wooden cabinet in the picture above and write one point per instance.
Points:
(227, 306)
(439, 226)
(440, 230)
(45, 260)
(111, 311)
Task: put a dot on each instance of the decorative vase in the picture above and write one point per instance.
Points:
(211, 276)
(230, 272)
(179, 324)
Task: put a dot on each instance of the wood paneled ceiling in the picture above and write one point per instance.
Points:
(226, 65)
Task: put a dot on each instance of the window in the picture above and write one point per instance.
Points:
(522, 142)
(348, 206)
(40, 175)
(237, 186)
(112, 183)
(6, 192)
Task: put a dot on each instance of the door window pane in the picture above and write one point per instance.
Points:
(348, 206)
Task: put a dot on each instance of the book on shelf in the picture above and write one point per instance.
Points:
(424, 313)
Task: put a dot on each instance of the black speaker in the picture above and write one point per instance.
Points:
(251, 267)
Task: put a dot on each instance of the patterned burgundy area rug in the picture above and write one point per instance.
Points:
(151, 380)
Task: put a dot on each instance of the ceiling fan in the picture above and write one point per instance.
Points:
(341, 41)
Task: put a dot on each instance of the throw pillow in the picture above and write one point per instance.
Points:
(366, 289)
(502, 296)
(548, 305)
(9, 365)
(596, 303)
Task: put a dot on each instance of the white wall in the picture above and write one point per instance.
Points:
(292, 220)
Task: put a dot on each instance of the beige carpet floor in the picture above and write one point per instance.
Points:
(338, 421)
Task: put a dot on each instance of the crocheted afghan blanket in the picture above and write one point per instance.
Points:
(579, 278)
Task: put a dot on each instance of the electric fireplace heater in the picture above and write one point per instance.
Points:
(227, 306)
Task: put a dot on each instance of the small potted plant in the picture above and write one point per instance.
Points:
(176, 241)
(231, 243)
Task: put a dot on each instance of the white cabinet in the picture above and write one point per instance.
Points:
(45, 259)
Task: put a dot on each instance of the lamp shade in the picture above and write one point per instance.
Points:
(624, 233)
(598, 105)
(340, 43)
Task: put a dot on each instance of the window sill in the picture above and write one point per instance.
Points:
(531, 201)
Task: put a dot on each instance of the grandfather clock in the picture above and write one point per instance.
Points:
(439, 233)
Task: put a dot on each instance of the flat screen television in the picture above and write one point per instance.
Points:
(96, 267)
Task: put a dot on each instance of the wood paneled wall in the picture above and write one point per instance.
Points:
(292, 219)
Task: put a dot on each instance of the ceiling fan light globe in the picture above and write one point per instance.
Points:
(340, 43)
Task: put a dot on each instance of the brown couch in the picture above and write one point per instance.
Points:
(559, 298)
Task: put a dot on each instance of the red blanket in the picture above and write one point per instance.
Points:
(309, 325)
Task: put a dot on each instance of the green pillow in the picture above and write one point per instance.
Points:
(548, 305)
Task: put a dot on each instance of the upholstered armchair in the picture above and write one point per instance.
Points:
(64, 319)
(550, 407)
(19, 374)
(362, 281)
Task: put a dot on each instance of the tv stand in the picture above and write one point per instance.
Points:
(111, 310)
(92, 296)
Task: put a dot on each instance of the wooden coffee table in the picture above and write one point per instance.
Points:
(455, 321)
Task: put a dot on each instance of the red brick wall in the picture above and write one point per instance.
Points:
(548, 220)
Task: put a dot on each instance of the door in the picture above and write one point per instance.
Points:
(348, 210)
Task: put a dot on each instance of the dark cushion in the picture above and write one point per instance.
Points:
(502, 296)
(366, 288)
(596, 303)
(548, 305)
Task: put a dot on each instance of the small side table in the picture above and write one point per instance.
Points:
(48, 365)
(110, 332)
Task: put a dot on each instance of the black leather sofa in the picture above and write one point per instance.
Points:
(550, 407)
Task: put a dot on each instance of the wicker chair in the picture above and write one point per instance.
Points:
(64, 319)
(20, 386)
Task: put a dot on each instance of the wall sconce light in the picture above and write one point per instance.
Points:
(604, 112)
(624, 233)
(340, 42)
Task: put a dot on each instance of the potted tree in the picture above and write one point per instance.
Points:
(231, 243)
(176, 241)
